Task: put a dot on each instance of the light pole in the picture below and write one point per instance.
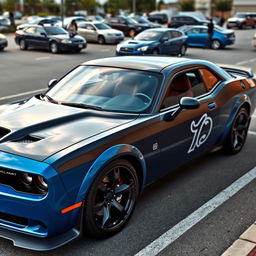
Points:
(62, 11)
(21, 5)
(134, 7)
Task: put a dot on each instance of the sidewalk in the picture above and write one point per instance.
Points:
(245, 245)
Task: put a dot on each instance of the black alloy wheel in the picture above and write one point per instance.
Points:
(111, 199)
(238, 133)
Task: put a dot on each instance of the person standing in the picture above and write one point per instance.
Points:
(210, 29)
(72, 28)
(11, 18)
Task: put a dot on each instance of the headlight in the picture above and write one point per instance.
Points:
(26, 178)
(41, 183)
(118, 47)
(66, 41)
(143, 49)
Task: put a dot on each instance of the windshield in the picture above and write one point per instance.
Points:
(148, 36)
(106, 88)
(55, 31)
(102, 26)
(130, 21)
(240, 15)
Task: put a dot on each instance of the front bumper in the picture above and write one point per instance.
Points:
(72, 46)
(36, 219)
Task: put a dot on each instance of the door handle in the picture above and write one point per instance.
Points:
(212, 105)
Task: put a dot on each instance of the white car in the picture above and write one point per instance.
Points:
(3, 42)
(99, 32)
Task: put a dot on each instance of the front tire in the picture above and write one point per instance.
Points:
(238, 132)
(23, 45)
(155, 52)
(111, 199)
(54, 48)
(101, 40)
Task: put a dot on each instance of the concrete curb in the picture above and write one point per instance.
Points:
(245, 245)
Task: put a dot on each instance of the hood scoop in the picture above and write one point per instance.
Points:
(133, 43)
(3, 132)
(27, 139)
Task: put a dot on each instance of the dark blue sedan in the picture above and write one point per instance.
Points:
(155, 41)
(197, 36)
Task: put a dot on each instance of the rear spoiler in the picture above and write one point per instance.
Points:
(237, 70)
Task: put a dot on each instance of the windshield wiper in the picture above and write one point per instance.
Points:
(81, 105)
(50, 99)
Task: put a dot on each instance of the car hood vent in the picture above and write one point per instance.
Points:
(27, 139)
(4, 131)
(133, 42)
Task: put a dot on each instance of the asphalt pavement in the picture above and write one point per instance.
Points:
(168, 202)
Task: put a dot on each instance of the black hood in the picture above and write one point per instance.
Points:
(38, 129)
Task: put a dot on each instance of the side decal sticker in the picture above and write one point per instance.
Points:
(200, 136)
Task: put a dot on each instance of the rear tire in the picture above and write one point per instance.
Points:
(216, 44)
(23, 45)
(238, 132)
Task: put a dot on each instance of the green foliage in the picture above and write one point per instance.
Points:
(9, 5)
(71, 6)
(187, 5)
(88, 5)
(223, 5)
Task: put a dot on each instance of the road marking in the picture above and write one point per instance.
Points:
(183, 226)
(42, 58)
(252, 132)
(246, 61)
(22, 94)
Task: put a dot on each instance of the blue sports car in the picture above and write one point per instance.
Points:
(155, 41)
(197, 36)
(78, 156)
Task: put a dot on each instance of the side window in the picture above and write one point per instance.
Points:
(209, 78)
(194, 31)
(187, 84)
(40, 30)
(30, 30)
(175, 34)
(204, 31)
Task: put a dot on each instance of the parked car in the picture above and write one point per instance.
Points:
(16, 14)
(75, 159)
(242, 20)
(254, 41)
(155, 41)
(3, 42)
(160, 17)
(78, 20)
(53, 38)
(4, 22)
(99, 32)
(181, 20)
(127, 25)
(145, 21)
(38, 21)
(198, 36)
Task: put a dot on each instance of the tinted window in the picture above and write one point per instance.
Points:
(55, 31)
(112, 89)
(102, 26)
(149, 36)
(175, 34)
(209, 78)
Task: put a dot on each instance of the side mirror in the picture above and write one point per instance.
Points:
(185, 103)
(164, 39)
(43, 34)
(52, 83)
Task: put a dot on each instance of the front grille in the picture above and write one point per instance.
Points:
(14, 219)
(126, 49)
(78, 41)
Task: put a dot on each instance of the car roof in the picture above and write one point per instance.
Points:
(146, 63)
(161, 29)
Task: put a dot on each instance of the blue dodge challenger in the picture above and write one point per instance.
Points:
(78, 156)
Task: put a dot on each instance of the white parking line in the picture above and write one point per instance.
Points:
(183, 226)
(42, 58)
(22, 94)
(246, 61)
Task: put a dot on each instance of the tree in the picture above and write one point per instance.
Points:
(187, 5)
(9, 5)
(51, 6)
(88, 5)
(223, 5)
(71, 6)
